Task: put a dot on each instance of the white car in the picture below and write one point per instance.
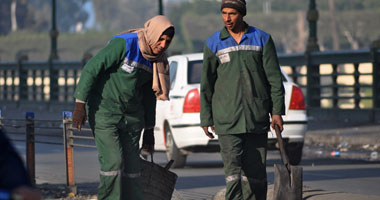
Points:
(178, 130)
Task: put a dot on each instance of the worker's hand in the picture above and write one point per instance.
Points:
(209, 134)
(148, 141)
(277, 120)
(26, 193)
(79, 116)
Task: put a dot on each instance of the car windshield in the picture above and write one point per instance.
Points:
(194, 71)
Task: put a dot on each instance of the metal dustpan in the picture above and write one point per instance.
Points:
(287, 178)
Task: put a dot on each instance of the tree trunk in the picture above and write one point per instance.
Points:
(334, 31)
(302, 32)
(13, 16)
(353, 42)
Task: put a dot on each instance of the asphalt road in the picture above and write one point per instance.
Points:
(203, 175)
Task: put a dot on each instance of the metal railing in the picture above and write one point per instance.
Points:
(339, 85)
(322, 70)
(25, 131)
(68, 138)
(332, 82)
(53, 81)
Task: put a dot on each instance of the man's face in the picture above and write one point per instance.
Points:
(232, 18)
(162, 44)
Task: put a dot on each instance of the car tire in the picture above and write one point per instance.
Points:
(172, 151)
(294, 152)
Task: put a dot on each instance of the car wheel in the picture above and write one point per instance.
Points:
(172, 151)
(294, 152)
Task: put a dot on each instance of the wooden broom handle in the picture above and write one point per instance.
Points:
(280, 142)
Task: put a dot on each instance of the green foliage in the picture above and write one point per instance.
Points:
(361, 25)
(296, 5)
(341, 5)
(37, 45)
(121, 15)
(68, 12)
(190, 12)
(287, 23)
(195, 21)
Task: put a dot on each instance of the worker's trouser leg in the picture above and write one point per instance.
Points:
(244, 157)
(118, 154)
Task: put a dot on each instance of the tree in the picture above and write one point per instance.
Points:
(70, 13)
(334, 30)
(38, 15)
(5, 23)
(12, 15)
(123, 14)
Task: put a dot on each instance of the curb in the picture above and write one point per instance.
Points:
(357, 137)
(311, 194)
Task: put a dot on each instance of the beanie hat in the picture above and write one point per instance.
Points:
(239, 5)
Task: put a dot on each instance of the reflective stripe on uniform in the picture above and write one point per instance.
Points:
(239, 48)
(133, 63)
(132, 175)
(253, 180)
(232, 178)
(110, 173)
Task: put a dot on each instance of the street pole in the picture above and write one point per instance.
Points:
(313, 72)
(53, 73)
(53, 33)
(30, 146)
(312, 17)
(160, 8)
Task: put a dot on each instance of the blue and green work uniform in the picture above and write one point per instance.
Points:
(116, 85)
(241, 85)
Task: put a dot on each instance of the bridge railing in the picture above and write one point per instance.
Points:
(45, 82)
(338, 85)
(333, 82)
(336, 76)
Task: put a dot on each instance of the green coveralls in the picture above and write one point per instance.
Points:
(119, 105)
(241, 85)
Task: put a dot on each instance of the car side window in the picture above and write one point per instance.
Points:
(173, 73)
(194, 71)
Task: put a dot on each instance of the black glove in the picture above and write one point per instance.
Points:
(148, 140)
(79, 116)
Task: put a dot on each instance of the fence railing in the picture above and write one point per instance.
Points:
(39, 81)
(68, 140)
(338, 85)
(336, 76)
(31, 131)
(334, 82)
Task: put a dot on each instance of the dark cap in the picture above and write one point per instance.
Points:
(239, 5)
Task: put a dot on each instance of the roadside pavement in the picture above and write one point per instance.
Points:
(339, 138)
(344, 140)
(313, 194)
(366, 137)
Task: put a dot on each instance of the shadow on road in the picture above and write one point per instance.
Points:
(60, 191)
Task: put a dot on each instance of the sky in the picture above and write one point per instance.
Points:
(90, 23)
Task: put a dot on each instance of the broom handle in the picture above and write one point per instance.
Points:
(151, 157)
(280, 141)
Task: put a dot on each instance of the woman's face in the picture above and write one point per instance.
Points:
(162, 44)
